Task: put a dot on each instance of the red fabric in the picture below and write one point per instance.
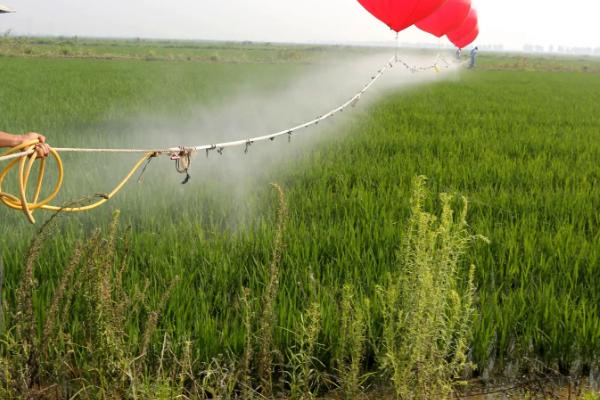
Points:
(465, 31)
(447, 18)
(400, 14)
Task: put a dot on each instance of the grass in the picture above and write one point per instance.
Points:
(85, 351)
(540, 62)
(521, 145)
(149, 50)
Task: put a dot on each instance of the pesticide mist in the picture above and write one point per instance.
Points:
(252, 108)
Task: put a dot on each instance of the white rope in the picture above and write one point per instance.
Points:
(249, 141)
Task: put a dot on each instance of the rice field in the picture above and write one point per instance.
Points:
(520, 140)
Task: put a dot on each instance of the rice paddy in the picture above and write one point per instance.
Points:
(519, 140)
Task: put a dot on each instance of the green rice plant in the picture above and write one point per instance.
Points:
(152, 322)
(426, 320)
(521, 145)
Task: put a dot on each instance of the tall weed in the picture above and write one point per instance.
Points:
(427, 306)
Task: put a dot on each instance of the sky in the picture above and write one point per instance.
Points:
(510, 23)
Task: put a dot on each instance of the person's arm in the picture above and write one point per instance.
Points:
(9, 140)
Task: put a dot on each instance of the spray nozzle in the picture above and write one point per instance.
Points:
(248, 144)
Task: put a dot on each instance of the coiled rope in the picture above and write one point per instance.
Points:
(24, 156)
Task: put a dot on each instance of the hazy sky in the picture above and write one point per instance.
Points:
(511, 23)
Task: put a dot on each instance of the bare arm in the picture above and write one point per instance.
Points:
(9, 140)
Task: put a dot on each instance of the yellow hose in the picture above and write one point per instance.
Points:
(25, 166)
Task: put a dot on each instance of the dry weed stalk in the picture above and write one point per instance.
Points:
(267, 320)
(353, 336)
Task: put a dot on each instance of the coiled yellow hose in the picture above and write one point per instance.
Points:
(25, 165)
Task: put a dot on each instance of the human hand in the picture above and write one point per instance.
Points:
(42, 149)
